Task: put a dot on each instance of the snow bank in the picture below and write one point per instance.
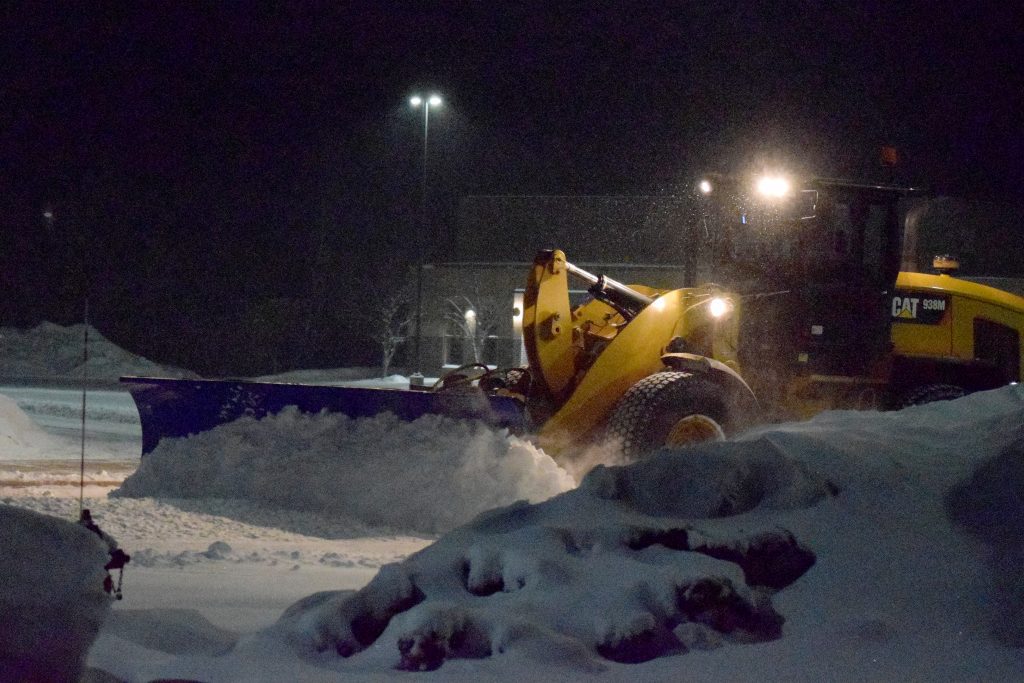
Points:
(428, 475)
(20, 437)
(51, 351)
(53, 603)
(836, 549)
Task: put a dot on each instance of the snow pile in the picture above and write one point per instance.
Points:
(989, 506)
(428, 475)
(51, 351)
(20, 437)
(842, 547)
(53, 603)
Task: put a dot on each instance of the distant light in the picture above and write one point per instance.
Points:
(889, 156)
(705, 186)
(432, 101)
(47, 214)
(773, 186)
(718, 307)
(470, 314)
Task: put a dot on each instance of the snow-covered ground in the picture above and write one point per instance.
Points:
(855, 546)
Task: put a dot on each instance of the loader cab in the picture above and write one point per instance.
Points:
(816, 268)
(853, 236)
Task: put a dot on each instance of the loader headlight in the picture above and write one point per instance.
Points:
(718, 307)
(773, 186)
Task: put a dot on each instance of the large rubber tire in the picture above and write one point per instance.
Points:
(654, 411)
(929, 393)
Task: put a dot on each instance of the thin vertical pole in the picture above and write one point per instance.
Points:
(420, 242)
(85, 384)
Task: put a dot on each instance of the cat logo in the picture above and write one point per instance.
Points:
(905, 307)
(911, 307)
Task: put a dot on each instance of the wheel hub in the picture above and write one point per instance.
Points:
(694, 429)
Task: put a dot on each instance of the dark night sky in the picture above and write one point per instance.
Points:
(199, 150)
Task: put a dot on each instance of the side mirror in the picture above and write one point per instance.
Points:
(804, 205)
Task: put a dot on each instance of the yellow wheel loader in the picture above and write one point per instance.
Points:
(646, 367)
(823, 319)
(813, 313)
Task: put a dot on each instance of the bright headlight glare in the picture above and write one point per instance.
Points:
(773, 186)
(718, 307)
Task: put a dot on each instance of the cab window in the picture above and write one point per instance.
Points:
(999, 345)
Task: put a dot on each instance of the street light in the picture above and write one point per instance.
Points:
(416, 378)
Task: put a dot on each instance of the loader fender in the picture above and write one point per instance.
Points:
(742, 395)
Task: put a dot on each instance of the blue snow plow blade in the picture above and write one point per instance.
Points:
(171, 408)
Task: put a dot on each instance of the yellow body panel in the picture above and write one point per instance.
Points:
(953, 337)
(911, 339)
(917, 340)
(964, 288)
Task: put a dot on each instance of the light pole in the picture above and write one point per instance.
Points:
(49, 217)
(416, 378)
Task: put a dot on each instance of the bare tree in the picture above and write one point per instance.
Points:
(390, 319)
(474, 321)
